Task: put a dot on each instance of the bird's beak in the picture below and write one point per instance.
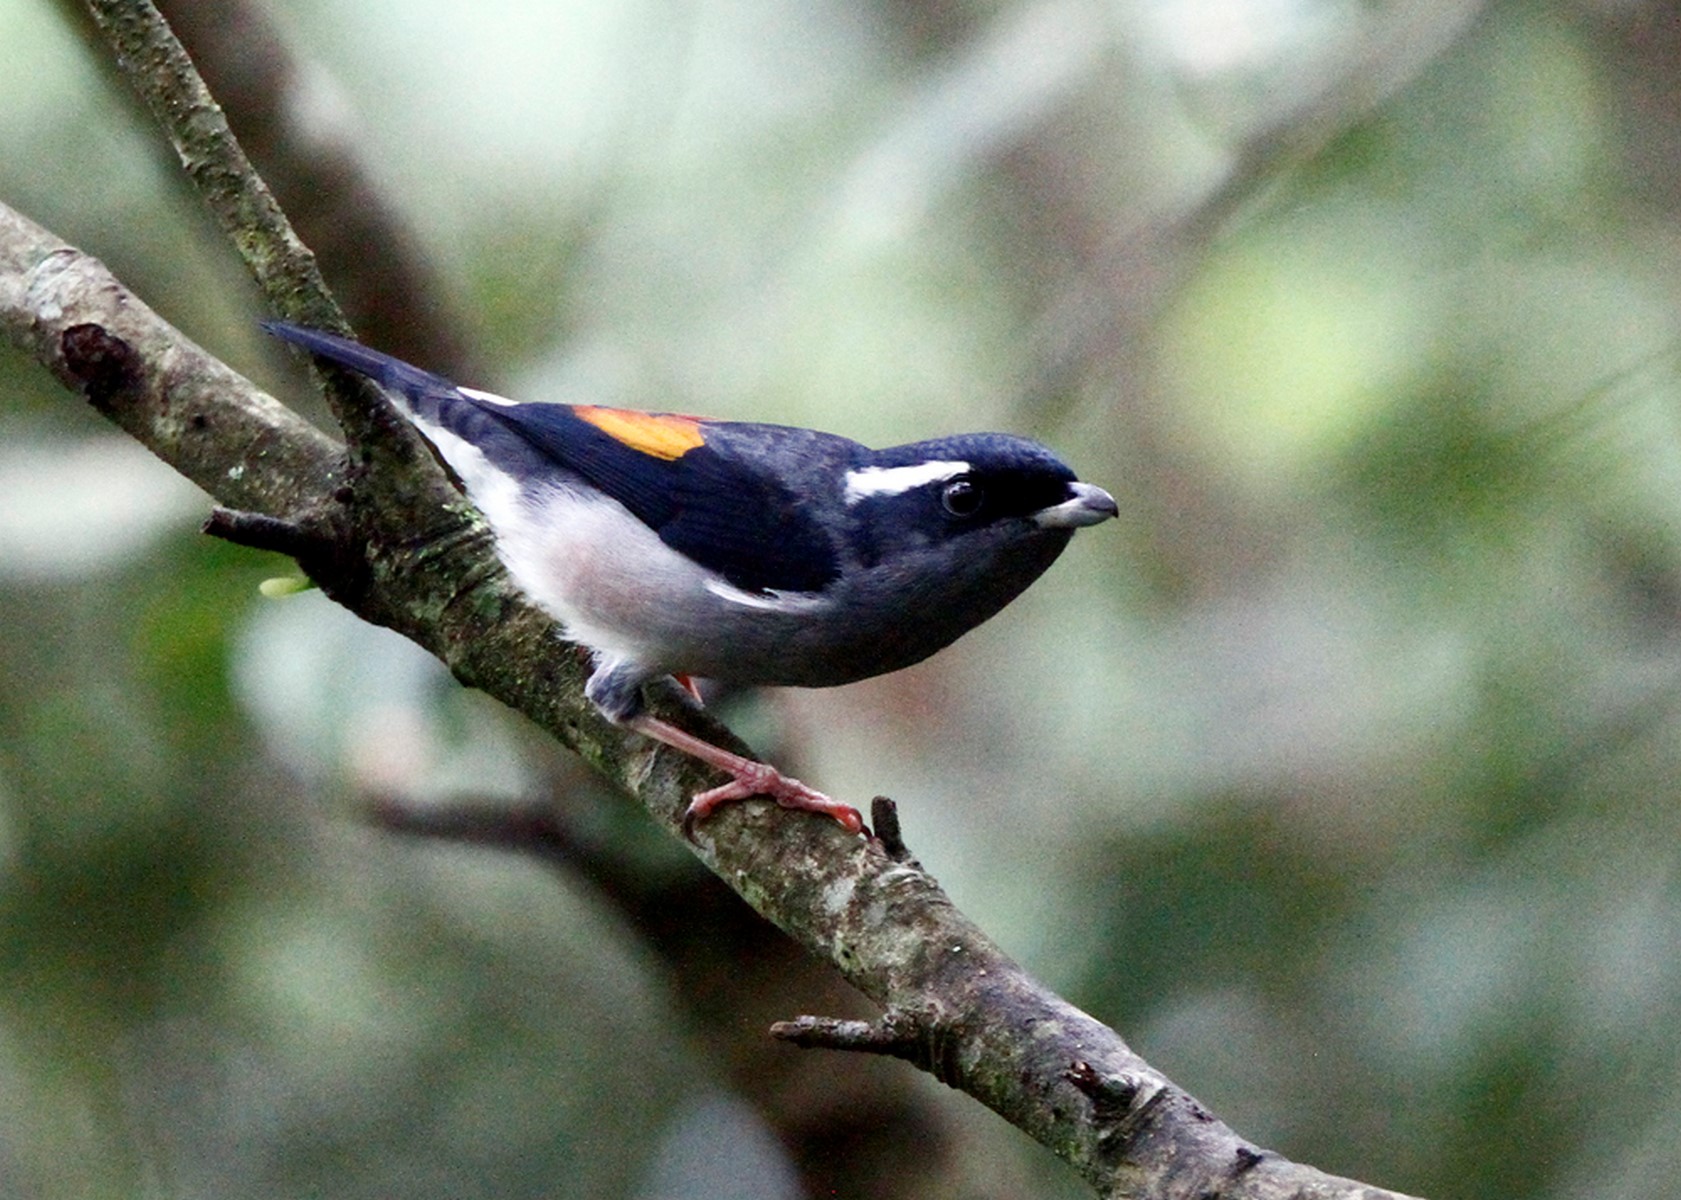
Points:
(1087, 504)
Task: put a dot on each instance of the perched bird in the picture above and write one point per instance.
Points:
(735, 551)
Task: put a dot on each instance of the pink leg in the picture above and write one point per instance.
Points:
(748, 778)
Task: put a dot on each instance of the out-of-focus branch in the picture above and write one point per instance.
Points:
(1135, 267)
(872, 1129)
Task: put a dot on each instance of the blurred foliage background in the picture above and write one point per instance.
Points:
(1341, 776)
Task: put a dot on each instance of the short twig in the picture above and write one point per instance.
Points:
(262, 532)
(884, 819)
(897, 1035)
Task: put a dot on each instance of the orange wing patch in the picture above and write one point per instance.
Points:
(661, 435)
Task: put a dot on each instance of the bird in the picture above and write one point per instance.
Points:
(745, 553)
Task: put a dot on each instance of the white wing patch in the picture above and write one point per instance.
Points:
(866, 482)
(487, 397)
(766, 601)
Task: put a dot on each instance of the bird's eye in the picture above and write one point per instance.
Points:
(962, 497)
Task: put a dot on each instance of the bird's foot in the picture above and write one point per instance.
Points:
(747, 778)
(762, 779)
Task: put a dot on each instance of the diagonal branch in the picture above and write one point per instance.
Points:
(313, 160)
(165, 79)
(382, 539)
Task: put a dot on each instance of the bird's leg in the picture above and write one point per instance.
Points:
(748, 778)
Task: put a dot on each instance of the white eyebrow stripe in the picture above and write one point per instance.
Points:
(865, 482)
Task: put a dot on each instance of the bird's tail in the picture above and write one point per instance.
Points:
(421, 392)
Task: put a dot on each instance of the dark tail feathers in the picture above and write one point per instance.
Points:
(422, 390)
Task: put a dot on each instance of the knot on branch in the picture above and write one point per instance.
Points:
(101, 362)
(1124, 1117)
(1111, 1096)
(1120, 1119)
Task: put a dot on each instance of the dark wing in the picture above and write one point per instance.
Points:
(705, 502)
(710, 503)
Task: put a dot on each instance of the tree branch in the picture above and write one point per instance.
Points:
(391, 545)
(155, 64)
(315, 167)
(160, 72)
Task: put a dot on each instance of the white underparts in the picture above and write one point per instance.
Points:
(496, 492)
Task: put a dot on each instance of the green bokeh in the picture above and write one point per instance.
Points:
(1340, 776)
